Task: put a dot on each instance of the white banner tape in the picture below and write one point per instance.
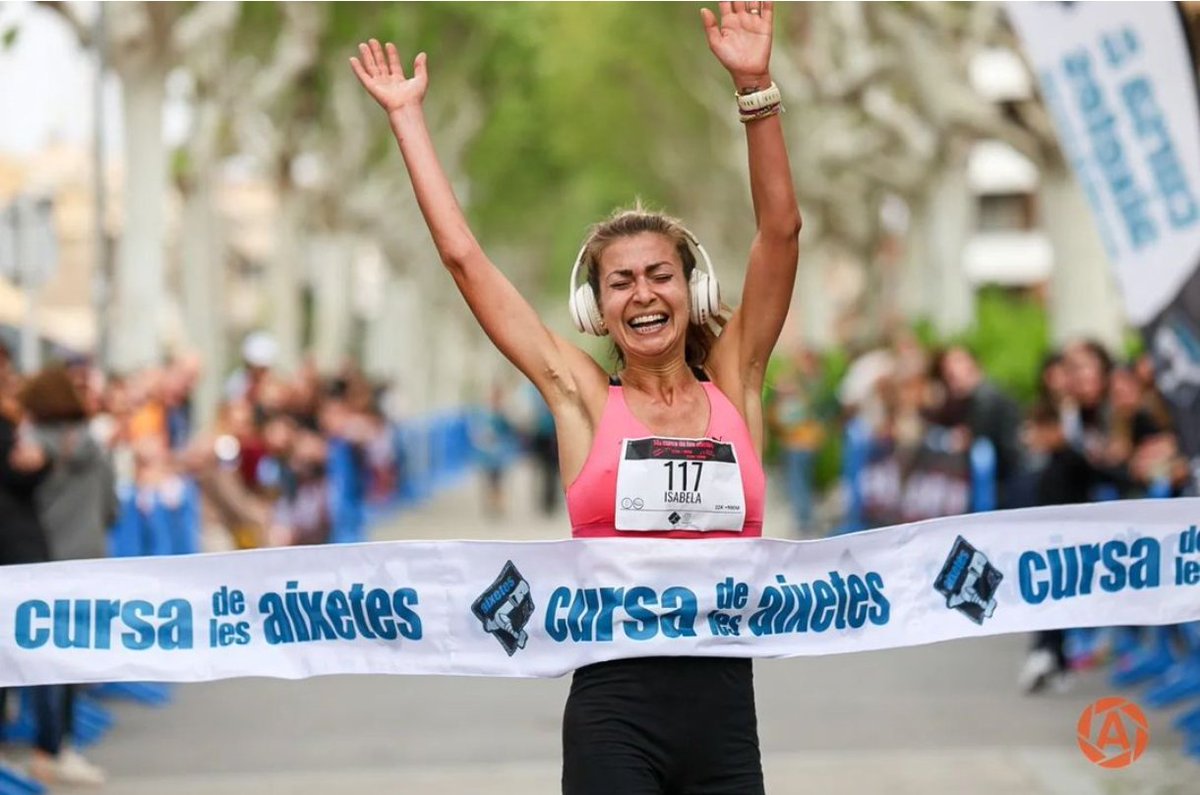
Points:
(546, 608)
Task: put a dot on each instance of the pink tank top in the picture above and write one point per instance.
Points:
(592, 497)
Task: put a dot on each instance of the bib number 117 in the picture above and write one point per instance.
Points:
(683, 474)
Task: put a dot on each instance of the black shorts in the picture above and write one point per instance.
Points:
(662, 726)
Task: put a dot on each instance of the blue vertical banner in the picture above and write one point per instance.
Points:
(1120, 83)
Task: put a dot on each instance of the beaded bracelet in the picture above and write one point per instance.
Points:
(761, 113)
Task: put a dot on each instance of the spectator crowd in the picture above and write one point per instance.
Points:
(1097, 428)
(78, 447)
(82, 451)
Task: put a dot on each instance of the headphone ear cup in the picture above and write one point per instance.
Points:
(704, 297)
(714, 295)
(586, 313)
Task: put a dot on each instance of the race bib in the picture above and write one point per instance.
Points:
(679, 484)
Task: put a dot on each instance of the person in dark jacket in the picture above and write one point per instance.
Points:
(22, 469)
(77, 500)
(986, 411)
(70, 504)
(1065, 477)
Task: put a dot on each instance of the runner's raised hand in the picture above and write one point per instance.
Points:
(383, 77)
(742, 40)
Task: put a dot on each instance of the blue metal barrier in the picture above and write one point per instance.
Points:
(1172, 670)
(983, 476)
(125, 536)
(151, 524)
(855, 453)
(1180, 682)
(1145, 662)
(23, 729)
(90, 722)
(154, 694)
(433, 453)
(13, 782)
(347, 493)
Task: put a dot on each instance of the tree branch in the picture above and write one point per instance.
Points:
(66, 12)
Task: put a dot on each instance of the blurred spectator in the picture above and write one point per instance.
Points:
(971, 400)
(543, 443)
(907, 402)
(240, 422)
(1064, 477)
(23, 466)
(1088, 366)
(491, 436)
(178, 383)
(381, 454)
(228, 506)
(797, 417)
(75, 501)
(302, 511)
(1130, 423)
(259, 351)
(860, 390)
(1052, 381)
(1153, 401)
(148, 416)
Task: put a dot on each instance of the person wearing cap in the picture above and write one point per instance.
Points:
(259, 351)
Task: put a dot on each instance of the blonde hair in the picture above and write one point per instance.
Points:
(635, 221)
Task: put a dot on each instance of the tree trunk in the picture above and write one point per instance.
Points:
(202, 277)
(815, 315)
(141, 254)
(447, 373)
(284, 281)
(1084, 301)
(953, 212)
(917, 279)
(391, 351)
(332, 274)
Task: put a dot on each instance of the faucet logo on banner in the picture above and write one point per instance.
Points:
(969, 582)
(505, 607)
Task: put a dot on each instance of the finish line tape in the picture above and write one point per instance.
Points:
(485, 608)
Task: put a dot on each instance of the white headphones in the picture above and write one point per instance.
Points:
(703, 291)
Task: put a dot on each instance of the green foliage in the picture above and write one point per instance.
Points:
(1010, 338)
(1133, 344)
(257, 28)
(828, 465)
(584, 107)
(9, 37)
(581, 99)
(925, 333)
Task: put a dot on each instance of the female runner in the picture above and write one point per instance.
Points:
(668, 446)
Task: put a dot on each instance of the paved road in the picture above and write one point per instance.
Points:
(942, 718)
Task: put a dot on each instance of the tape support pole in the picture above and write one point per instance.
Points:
(545, 608)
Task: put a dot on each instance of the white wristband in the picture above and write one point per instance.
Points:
(749, 103)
